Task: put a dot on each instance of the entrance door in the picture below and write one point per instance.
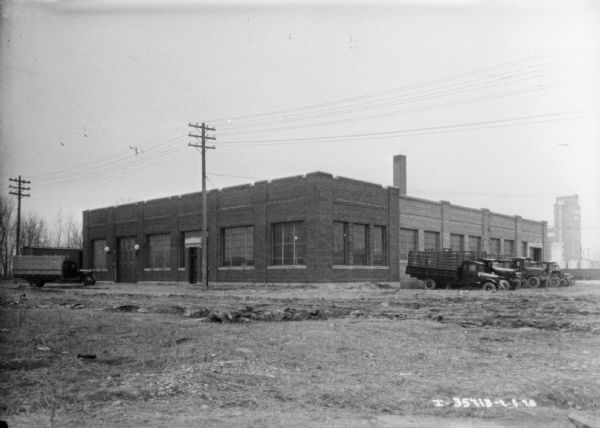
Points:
(193, 264)
(536, 254)
(126, 260)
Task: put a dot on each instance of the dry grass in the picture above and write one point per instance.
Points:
(393, 358)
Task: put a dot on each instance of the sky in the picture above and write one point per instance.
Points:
(495, 104)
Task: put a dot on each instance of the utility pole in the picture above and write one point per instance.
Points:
(20, 189)
(203, 138)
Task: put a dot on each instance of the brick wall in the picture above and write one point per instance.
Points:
(316, 199)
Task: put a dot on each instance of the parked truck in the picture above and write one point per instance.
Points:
(40, 265)
(448, 268)
(555, 276)
(531, 275)
(509, 278)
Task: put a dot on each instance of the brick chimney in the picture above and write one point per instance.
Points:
(400, 173)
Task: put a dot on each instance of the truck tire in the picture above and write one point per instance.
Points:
(554, 281)
(88, 280)
(533, 281)
(430, 284)
(37, 283)
(489, 287)
(563, 282)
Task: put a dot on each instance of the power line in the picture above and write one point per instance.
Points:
(456, 88)
(507, 64)
(415, 131)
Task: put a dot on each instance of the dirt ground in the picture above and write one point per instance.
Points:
(363, 355)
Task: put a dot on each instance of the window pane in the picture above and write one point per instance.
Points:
(288, 243)
(457, 242)
(431, 241)
(359, 244)
(379, 246)
(495, 246)
(474, 243)
(340, 243)
(238, 246)
(159, 251)
(509, 247)
(408, 242)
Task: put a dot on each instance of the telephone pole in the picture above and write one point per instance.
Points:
(203, 137)
(20, 189)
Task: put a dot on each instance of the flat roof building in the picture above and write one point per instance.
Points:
(311, 228)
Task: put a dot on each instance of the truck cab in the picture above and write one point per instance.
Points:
(509, 278)
(474, 274)
(531, 275)
(556, 277)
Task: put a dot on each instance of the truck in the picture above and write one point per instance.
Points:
(556, 277)
(509, 278)
(40, 265)
(449, 268)
(531, 275)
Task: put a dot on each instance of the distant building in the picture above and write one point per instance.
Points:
(311, 228)
(565, 236)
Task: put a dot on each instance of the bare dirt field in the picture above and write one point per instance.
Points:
(360, 355)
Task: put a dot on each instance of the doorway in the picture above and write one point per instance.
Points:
(194, 264)
(126, 259)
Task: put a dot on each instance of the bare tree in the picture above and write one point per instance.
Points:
(34, 231)
(57, 236)
(66, 231)
(73, 232)
(6, 235)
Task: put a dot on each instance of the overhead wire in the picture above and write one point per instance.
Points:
(414, 131)
(225, 120)
(464, 87)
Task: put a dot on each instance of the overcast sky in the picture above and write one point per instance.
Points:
(496, 104)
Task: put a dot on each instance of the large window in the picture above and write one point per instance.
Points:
(159, 251)
(431, 240)
(409, 241)
(98, 254)
(509, 247)
(340, 243)
(379, 246)
(475, 243)
(495, 246)
(360, 244)
(457, 242)
(238, 246)
(524, 252)
(288, 243)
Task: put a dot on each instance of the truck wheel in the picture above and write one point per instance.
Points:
(88, 280)
(37, 283)
(554, 281)
(489, 287)
(533, 281)
(503, 285)
(430, 284)
(563, 282)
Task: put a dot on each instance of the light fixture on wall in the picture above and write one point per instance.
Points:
(136, 247)
(107, 249)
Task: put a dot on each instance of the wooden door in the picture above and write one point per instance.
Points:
(126, 260)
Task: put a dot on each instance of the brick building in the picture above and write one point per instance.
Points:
(312, 228)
